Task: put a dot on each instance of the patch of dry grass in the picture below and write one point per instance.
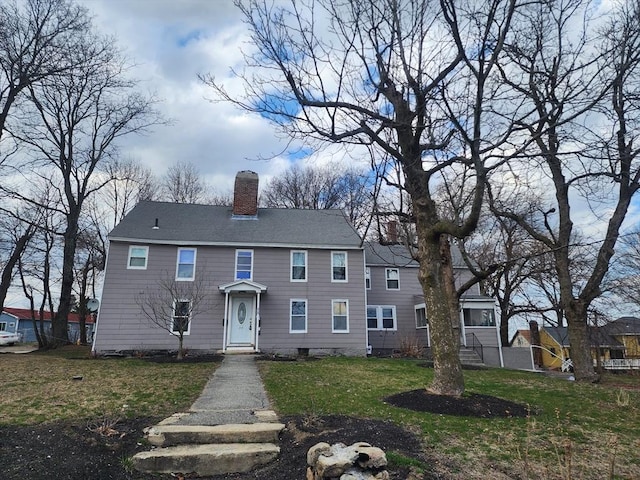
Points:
(67, 384)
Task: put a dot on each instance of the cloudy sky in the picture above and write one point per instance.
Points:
(171, 42)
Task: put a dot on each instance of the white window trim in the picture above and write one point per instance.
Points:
(173, 316)
(306, 266)
(146, 257)
(236, 264)
(195, 256)
(419, 307)
(341, 300)
(346, 267)
(367, 277)
(386, 278)
(379, 318)
(306, 314)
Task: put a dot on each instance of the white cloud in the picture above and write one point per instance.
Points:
(170, 43)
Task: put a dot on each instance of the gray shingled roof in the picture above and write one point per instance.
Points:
(207, 224)
(598, 337)
(399, 256)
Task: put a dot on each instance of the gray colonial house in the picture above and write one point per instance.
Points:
(279, 281)
(396, 310)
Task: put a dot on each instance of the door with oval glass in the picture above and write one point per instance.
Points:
(242, 324)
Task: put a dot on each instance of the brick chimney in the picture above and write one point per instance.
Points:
(245, 194)
(392, 231)
(535, 341)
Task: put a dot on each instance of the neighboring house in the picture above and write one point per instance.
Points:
(626, 330)
(556, 348)
(278, 280)
(522, 338)
(22, 319)
(8, 323)
(396, 311)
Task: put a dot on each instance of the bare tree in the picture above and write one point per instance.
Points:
(183, 184)
(75, 121)
(35, 38)
(16, 231)
(171, 305)
(319, 188)
(512, 260)
(579, 81)
(410, 78)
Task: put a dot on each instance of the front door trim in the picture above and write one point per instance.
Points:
(241, 288)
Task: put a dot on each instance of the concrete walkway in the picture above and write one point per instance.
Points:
(234, 394)
(230, 428)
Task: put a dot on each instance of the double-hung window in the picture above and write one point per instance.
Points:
(381, 317)
(338, 266)
(298, 316)
(367, 278)
(340, 316)
(180, 322)
(421, 317)
(393, 278)
(137, 259)
(244, 264)
(298, 266)
(186, 264)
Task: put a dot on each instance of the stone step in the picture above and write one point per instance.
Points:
(206, 460)
(469, 357)
(168, 435)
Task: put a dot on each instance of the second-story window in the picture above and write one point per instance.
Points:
(244, 264)
(339, 266)
(298, 266)
(137, 259)
(393, 279)
(186, 268)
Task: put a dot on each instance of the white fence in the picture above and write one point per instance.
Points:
(620, 364)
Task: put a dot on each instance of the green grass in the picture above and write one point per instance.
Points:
(40, 387)
(586, 426)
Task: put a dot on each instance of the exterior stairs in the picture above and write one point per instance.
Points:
(208, 450)
(469, 357)
(230, 428)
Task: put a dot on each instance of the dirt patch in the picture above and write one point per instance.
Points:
(101, 449)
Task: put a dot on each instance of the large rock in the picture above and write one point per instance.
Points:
(359, 461)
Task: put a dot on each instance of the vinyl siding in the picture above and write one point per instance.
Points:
(404, 300)
(122, 328)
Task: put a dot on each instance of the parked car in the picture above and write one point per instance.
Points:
(9, 338)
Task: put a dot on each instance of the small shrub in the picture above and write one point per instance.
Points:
(410, 347)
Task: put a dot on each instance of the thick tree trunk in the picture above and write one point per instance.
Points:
(60, 321)
(576, 314)
(436, 277)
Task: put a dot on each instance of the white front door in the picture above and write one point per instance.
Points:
(241, 321)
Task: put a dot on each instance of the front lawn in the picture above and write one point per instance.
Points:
(575, 431)
(67, 384)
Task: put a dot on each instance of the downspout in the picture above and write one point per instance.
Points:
(498, 335)
(366, 302)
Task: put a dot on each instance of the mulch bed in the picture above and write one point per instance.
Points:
(67, 451)
(469, 405)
